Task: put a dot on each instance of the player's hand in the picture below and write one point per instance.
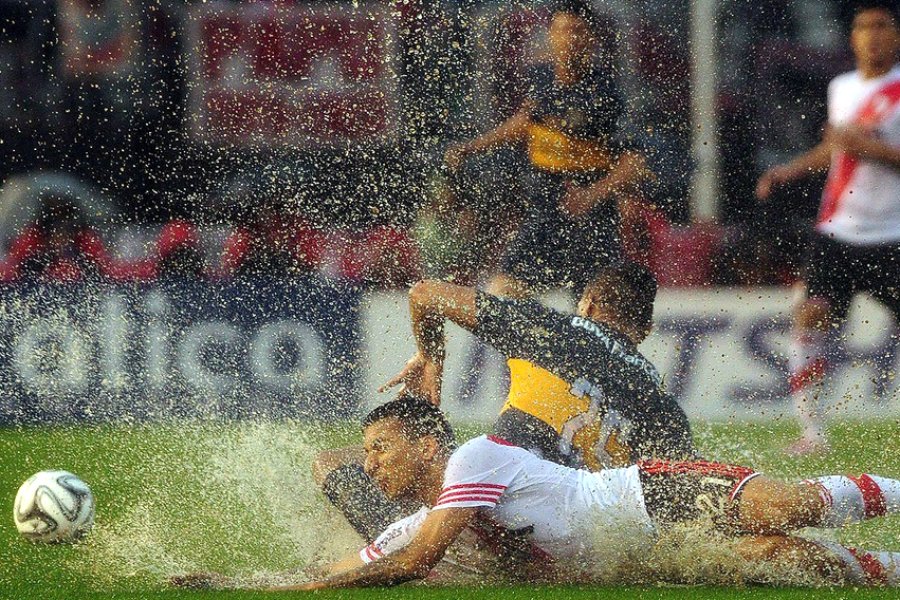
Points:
(770, 179)
(202, 581)
(420, 377)
(851, 139)
(578, 201)
(454, 156)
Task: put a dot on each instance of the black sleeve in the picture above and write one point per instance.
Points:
(517, 328)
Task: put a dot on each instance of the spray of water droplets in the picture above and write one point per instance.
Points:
(241, 501)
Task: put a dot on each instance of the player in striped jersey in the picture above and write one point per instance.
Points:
(581, 392)
(856, 244)
(571, 515)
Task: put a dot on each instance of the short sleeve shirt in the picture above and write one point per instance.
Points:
(577, 127)
(562, 511)
(597, 362)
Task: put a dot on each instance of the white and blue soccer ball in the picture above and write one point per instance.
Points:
(54, 506)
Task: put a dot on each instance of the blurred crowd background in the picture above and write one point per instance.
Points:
(142, 139)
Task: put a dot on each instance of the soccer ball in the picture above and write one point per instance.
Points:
(54, 506)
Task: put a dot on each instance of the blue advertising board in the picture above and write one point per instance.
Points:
(241, 349)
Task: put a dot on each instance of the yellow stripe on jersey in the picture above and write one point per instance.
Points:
(545, 396)
(552, 150)
(542, 394)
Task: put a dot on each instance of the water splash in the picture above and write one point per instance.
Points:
(240, 500)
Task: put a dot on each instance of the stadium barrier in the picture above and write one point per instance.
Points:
(246, 348)
(722, 353)
(307, 349)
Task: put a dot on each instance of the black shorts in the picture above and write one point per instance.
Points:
(836, 271)
(679, 491)
(553, 249)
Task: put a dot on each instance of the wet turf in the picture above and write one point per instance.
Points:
(180, 523)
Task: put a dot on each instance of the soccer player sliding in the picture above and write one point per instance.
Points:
(570, 515)
(590, 401)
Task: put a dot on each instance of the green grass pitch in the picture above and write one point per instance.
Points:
(238, 498)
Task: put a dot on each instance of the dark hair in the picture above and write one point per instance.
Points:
(888, 6)
(628, 289)
(418, 418)
(584, 11)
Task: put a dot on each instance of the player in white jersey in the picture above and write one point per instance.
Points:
(856, 244)
(573, 516)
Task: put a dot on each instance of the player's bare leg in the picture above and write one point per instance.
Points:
(773, 507)
(801, 555)
(768, 506)
(808, 367)
(834, 563)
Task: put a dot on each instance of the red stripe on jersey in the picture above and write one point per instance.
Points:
(700, 467)
(811, 373)
(500, 440)
(871, 566)
(461, 497)
(492, 500)
(839, 177)
(873, 497)
(482, 492)
(869, 115)
(463, 486)
(372, 552)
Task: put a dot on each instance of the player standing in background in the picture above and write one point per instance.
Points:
(571, 127)
(856, 244)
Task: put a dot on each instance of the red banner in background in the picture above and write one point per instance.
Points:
(98, 39)
(286, 74)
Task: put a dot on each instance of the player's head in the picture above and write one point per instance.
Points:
(402, 439)
(573, 34)
(875, 34)
(623, 294)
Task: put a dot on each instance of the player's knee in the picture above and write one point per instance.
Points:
(761, 548)
(813, 313)
(768, 506)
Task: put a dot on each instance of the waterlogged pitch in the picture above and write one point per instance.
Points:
(239, 498)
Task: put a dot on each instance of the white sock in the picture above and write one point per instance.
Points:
(868, 567)
(808, 366)
(853, 499)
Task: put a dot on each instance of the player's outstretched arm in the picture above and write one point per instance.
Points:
(510, 131)
(430, 304)
(415, 561)
(629, 170)
(813, 161)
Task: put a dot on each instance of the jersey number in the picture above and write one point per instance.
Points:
(600, 441)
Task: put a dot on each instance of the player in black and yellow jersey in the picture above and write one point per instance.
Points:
(581, 393)
(572, 127)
